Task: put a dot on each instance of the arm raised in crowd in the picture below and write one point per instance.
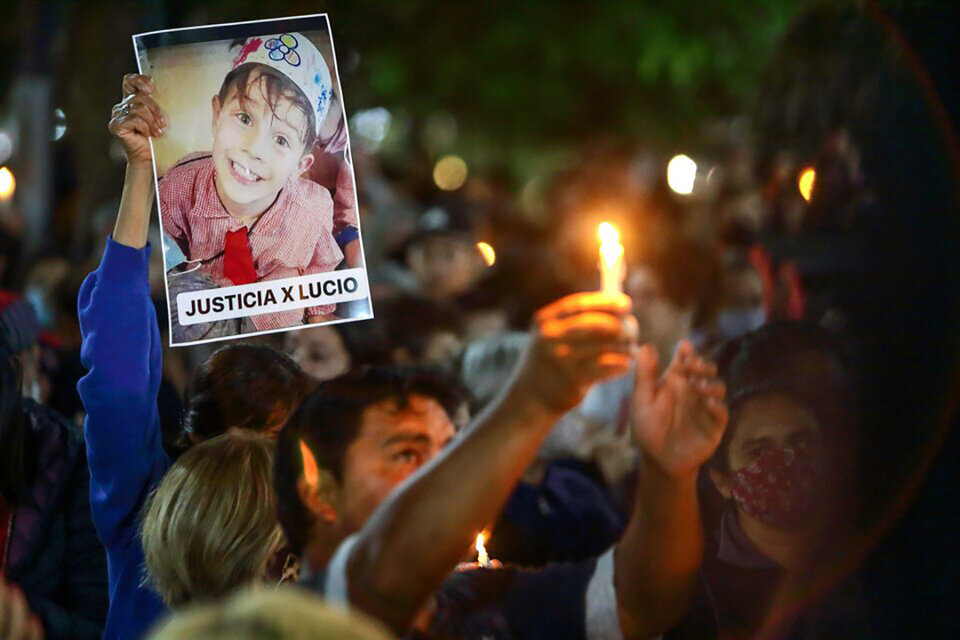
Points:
(678, 422)
(121, 341)
(133, 122)
(415, 538)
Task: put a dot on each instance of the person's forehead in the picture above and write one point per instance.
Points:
(743, 278)
(419, 414)
(319, 337)
(254, 96)
(771, 415)
(445, 241)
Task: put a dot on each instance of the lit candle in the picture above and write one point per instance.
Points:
(482, 558)
(611, 258)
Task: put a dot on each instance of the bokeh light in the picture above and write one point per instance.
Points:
(6, 147)
(59, 124)
(806, 181)
(489, 255)
(372, 127)
(681, 174)
(8, 184)
(450, 173)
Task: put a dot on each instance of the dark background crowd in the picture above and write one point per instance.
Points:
(764, 161)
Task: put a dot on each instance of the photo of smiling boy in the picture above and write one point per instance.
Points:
(242, 212)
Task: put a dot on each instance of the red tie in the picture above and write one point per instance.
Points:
(237, 258)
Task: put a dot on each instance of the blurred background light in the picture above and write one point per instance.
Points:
(59, 124)
(6, 147)
(371, 127)
(489, 255)
(805, 182)
(681, 174)
(8, 184)
(439, 132)
(450, 173)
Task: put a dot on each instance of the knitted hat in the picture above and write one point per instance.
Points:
(293, 55)
(19, 328)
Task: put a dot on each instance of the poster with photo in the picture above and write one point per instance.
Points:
(255, 188)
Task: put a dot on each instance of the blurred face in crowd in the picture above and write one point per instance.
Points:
(320, 352)
(774, 460)
(484, 323)
(742, 308)
(440, 349)
(444, 265)
(743, 288)
(393, 442)
(661, 321)
(257, 148)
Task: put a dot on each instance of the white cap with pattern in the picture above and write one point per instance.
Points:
(293, 55)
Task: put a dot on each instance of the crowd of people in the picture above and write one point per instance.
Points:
(681, 460)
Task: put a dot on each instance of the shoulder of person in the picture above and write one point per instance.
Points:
(181, 185)
(314, 197)
(58, 449)
(188, 165)
(54, 434)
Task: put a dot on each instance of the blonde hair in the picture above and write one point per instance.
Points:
(210, 526)
(284, 613)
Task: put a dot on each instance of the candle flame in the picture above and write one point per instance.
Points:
(482, 558)
(610, 248)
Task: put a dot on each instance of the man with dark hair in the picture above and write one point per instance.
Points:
(404, 508)
(368, 428)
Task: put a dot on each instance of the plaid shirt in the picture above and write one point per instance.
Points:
(293, 237)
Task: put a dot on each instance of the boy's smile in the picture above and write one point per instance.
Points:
(242, 174)
(257, 148)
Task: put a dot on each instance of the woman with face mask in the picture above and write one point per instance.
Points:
(775, 490)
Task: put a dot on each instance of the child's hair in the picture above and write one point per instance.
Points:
(275, 85)
(210, 526)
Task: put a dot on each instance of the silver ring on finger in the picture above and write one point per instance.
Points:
(125, 110)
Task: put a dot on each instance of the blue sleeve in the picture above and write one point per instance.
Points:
(121, 351)
(346, 235)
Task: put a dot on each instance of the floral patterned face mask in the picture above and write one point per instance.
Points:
(777, 488)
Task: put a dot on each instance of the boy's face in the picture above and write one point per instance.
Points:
(256, 149)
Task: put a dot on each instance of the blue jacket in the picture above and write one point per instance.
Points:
(121, 351)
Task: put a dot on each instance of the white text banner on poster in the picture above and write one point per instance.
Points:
(272, 295)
